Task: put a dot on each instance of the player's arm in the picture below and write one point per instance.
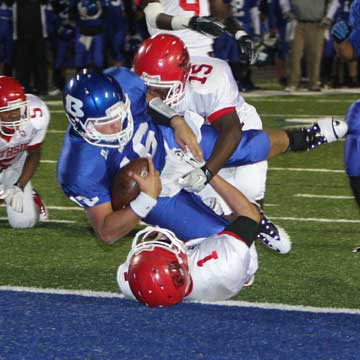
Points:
(156, 17)
(110, 225)
(235, 199)
(31, 163)
(229, 136)
(344, 38)
(163, 114)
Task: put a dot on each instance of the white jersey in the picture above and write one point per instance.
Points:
(30, 137)
(219, 266)
(211, 91)
(196, 43)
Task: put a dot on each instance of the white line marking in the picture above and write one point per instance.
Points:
(315, 220)
(56, 131)
(307, 170)
(270, 306)
(51, 221)
(337, 197)
(76, 208)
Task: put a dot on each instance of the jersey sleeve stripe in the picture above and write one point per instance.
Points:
(220, 113)
(33, 147)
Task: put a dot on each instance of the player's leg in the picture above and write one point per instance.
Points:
(352, 149)
(29, 217)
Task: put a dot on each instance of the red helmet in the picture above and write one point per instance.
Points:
(12, 97)
(163, 61)
(158, 272)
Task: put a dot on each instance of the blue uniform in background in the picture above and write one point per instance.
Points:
(85, 171)
(6, 40)
(117, 27)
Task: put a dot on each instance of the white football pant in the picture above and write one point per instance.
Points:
(29, 217)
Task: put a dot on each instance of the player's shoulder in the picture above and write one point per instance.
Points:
(210, 74)
(38, 112)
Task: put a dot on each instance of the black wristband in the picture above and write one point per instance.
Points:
(209, 175)
(244, 227)
(21, 187)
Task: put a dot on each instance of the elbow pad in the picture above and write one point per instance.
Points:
(152, 10)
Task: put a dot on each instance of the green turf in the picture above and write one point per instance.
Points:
(321, 269)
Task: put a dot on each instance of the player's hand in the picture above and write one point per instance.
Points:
(185, 137)
(289, 16)
(207, 25)
(151, 184)
(247, 53)
(3, 192)
(326, 23)
(340, 31)
(15, 198)
(196, 179)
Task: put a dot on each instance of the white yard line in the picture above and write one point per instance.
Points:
(307, 170)
(51, 221)
(320, 220)
(335, 197)
(269, 306)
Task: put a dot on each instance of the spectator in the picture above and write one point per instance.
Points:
(6, 41)
(30, 35)
(312, 18)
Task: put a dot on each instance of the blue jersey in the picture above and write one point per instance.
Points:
(352, 142)
(241, 10)
(85, 171)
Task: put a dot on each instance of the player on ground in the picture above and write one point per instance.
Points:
(213, 268)
(205, 86)
(23, 122)
(110, 126)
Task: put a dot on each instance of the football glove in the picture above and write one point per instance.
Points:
(196, 179)
(207, 25)
(247, 53)
(3, 192)
(289, 16)
(340, 31)
(15, 198)
(326, 23)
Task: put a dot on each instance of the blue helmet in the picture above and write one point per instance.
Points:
(354, 14)
(89, 8)
(98, 109)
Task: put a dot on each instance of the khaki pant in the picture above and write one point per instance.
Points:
(308, 40)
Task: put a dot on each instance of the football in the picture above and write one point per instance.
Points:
(124, 189)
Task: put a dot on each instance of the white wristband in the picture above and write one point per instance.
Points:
(143, 204)
(239, 34)
(180, 22)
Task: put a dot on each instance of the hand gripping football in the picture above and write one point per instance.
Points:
(124, 188)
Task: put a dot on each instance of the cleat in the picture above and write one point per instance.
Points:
(274, 237)
(43, 211)
(324, 131)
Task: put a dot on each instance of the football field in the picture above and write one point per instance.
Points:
(307, 194)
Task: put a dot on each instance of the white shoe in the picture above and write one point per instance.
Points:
(332, 129)
(274, 237)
